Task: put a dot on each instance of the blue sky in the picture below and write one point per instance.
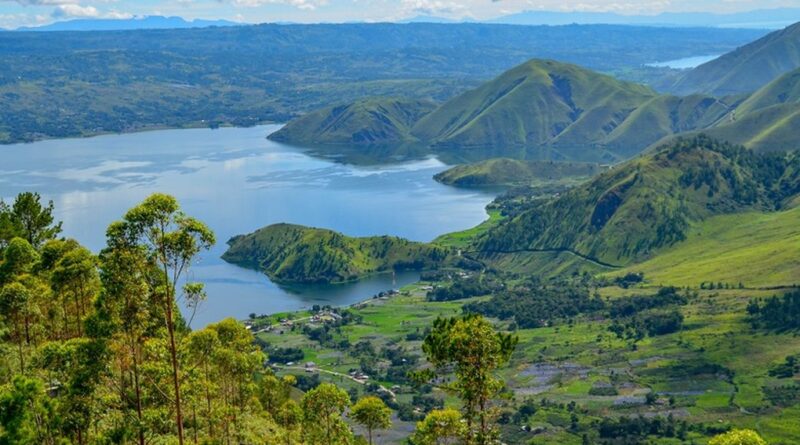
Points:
(14, 13)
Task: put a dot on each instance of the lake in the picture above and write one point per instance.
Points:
(236, 181)
(685, 63)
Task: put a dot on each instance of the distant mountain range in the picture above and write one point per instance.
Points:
(149, 22)
(764, 18)
(759, 19)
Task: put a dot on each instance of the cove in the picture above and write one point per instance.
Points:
(236, 181)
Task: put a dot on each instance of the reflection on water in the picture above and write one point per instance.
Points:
(685, 63)
(237, 181)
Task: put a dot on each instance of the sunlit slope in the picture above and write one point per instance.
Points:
(541, 102)
(369, 121)
(755, 249)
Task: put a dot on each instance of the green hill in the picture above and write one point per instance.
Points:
(745, 69)
(368, 121)
(753, 248)
(512, 172)
(629, 213)
(767, 120)
(292, 253)
(539, 104)
(663, 116)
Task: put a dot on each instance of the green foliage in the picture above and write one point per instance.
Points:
(27, 218)
(440, 427)
(780, 313)
(475, 351)
(323, 408)
(290, 253)
(535, 305)
(738, 437)
(371, 413)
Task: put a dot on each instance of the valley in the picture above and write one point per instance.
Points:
(458, 233)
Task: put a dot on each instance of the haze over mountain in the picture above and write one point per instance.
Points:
(762, 18)
(148, 22)
(747, 68)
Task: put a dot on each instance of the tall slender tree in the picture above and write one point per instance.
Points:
(172, 240)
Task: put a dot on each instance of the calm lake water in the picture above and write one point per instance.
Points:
(236, 181)
(685, 63)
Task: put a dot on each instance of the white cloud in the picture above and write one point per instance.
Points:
(73, 10)
(302, 4)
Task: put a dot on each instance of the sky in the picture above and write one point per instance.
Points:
(15, 13)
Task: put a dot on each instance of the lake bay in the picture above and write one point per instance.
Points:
(236, 181)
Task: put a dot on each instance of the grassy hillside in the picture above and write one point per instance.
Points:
(367, 121)
(291, 253)
(649, 203)
(663, 116)
(747, 68)
(539, 103)
(755, 249)
(511, 172)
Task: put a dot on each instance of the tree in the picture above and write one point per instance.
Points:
(125, 305)
(27, 415)
(474, 350)
(172, 240)
(323, 408)
(371, 413)
(738, 437)
(440, 427)
(14, 307)
(30, 220)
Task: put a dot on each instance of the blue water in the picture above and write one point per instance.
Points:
(685, 63)
(236, 181)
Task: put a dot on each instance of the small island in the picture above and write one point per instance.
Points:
(289, 253)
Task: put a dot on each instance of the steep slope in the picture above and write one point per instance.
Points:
(649, 203)
(663, 116)
(368, 121)
(746, 69)
(512, 172)
(767, 120)
(539, 103)
(292, 253)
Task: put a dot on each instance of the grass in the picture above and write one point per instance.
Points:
(756, 249)
(463, 239)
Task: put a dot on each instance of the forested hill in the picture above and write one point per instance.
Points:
(60, 84)
(648, 203)
(291, 253)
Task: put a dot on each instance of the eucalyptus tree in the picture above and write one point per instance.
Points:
(125, 306)
(171, 241)
(323, 408)
(471, 347)
(371, 413)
